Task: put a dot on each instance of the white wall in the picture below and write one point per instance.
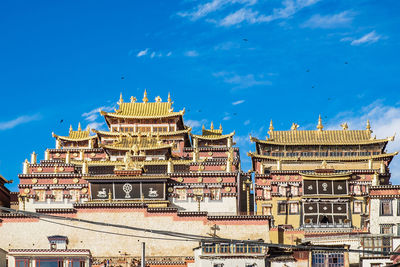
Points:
(227, 205)
(377, 219)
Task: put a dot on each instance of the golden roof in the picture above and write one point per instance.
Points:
(138, 143)
(144, 109)
(78, 135)
(320, 136)
(120, 163)
(351, 158)
(213, 134)
(108, 133)
(4, 179)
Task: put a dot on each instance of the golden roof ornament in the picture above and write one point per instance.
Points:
(368, 126)
(158, 99)
(145, 99)
(203, 128)
(212, 126)
(271, 126)
(133, 99)
(70, 128)
(294, 127)
(320, 126)
(344, 126)
(79, 127)
(169, 98)
(220, 127)
(121, 100)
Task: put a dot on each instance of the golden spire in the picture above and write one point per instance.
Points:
(121, 100)
(220, 127)
(70, 128)
(203, 128)
(368, 126)
(169, 98)
(271, 126)
(79, 127)
(320, 126)
(294, 127)
(212, 126)
(344, 126)
(158, 99)
(133, 99)
(145, 99)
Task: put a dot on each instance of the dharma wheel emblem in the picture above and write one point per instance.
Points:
(339, 208)
(127, 189)
(310, 208)
(324, 186)
(310, 187)
(325, 208)
(339, 187)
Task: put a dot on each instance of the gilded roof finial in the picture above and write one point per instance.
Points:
(79, 127)
(169, 98)
(294, 127)
(158, 99)
(271, 126)
(220, 127)
(70, 128)
(203, 128)
(344, 126)
(121, 100)
(368, 126)
(145, 99)
(133, 99)
(320, 126)
(212, 126)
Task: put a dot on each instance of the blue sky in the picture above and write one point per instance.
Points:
(236, 62)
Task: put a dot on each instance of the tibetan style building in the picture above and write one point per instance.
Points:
(147, 156)
(5, 195)
(313, 179)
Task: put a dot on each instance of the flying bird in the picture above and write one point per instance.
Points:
(307, 70)
(346, 62)
(61, 121)
(244, 39)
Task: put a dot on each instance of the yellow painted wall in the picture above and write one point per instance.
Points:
(292, 219)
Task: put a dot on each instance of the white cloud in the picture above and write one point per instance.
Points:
(169, 54)
(191, 53)
(153, 54)
(244, 13)
(195, 123)
(242, 81)
(238, 102)
(226, 118)
(142, 53)
(385, 122)
(203, 10)
(6, 125)
(370, 38)
(290, 7)
(96, 125)
(342, 19)
(93, 115)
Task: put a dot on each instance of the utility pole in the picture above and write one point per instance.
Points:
(143, 263)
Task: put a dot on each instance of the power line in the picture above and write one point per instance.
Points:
(189, 237)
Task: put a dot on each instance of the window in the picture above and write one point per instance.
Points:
(77, 263)
(282, 190)
(41, 195)
(58, 195)
(49, 263)
(209, 248)
(377, 243)
(386, 207)
(282, 208)
(218, 265)
(241, 248)
(198, 191)
(254, 249)
(215, 194)
(75, 195)
(224, 248)
(294, 190)
(357, 190)
(357, 208)
(398, 207)
(327, 259)
(294, 208)
(181, 192)
(22, 263)
(386, 228)
(267, 193)
(267, 210)
(398, 229)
